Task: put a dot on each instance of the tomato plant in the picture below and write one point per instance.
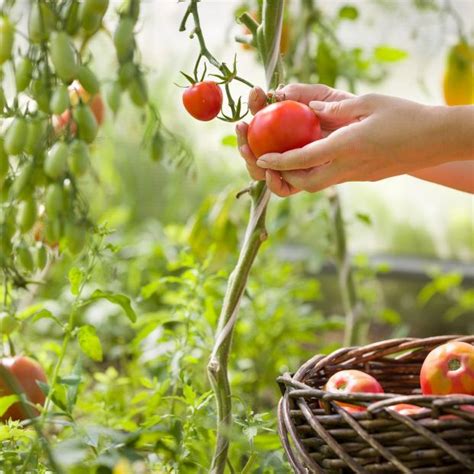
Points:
(448, 369)
(283, 126)
(27, 372)
(352, 381)
(203, 100)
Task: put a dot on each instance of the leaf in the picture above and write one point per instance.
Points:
(348, 12)
(387, 54)
(364, 218)
(121, 300)
(7, 402)
(44, 313)
(229, 140)
(75, 277)
(390, 316)
(90, 343)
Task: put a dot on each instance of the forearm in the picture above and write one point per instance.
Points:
(455, 133)
(457, 175)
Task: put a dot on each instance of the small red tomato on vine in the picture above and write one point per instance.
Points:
(281, 127)
(27, 373)
(448, 369)
(352, 381)
(203, 100)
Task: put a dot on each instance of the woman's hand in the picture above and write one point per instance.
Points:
(366, 138)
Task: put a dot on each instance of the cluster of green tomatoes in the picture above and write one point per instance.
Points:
(51, 109)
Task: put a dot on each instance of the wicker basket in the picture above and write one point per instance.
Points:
(437, 440)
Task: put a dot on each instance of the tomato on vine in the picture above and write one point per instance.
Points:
(7, 36)
(27, 373)
(203, 100)
(41, 22)
(281, 127)
(56, 160)
(23, 73)
(15, 136)
(63, 56)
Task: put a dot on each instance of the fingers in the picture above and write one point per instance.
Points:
(306, 93)
(334, 115)
(257, 99)
(244, 150)
(314, 179)
(333, 147)
(277, 185)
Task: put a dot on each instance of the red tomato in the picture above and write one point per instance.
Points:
(76, 92)
(203, 100)
(352, 381)
(281, 127)
(448, 369)
(407, 409)
(27, 373)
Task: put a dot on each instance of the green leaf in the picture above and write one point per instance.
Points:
(229, 140)
(7, 402)
(75, 277)
(348, 12)
(387, 54)
(115, 298)
(90, 343)
(364, 218)
(390, 316)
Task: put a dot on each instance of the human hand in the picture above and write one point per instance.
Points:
(366, 138)
(304, 93)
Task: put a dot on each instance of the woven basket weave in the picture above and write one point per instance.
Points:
(380, 440)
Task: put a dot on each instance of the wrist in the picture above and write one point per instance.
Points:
(453, 132)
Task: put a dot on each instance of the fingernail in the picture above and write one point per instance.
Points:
(317, 105)
(261, 163)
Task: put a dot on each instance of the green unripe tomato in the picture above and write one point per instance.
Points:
(53, 231)
(3, 100)
(27, 213)
(138, 91)
(41, 256)
(16, 136)
(126, 74)
(41, 22)
(156, 147)
(60, 100)
(7, 36)
(63, 56)
(21, 187)
(130, 8)
(54, 201)
(78, 160)
(5, 189)
(90, 22)
(72, 19)
(124, 39)
(8, 323)
(41, 92)
(25, 258)
(55, 164)
(86, 123)
(4, 163)
(35, 135)
(75, 237)
(88, 80)
(113, 96)
(24, 70)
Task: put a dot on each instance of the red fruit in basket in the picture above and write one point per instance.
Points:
(352, 381)
(448, 369)
(407, 409)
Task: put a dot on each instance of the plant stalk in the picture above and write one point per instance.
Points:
(268, 41)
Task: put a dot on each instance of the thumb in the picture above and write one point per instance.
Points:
(337, 114)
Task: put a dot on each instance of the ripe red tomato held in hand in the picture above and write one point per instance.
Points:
(281, 127)
(203, 100)
(27, 373)
(352, 381)
(448, 369)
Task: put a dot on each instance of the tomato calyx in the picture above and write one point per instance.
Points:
(454, 364)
